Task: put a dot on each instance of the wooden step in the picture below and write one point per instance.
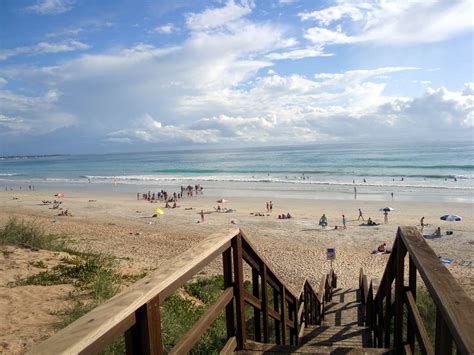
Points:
(252, 348)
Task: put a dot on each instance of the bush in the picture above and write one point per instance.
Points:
(29, 234)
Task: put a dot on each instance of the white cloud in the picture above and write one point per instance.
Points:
(43, 48)
(47, 7)
(299, 54)
(218, 17)
(165, 29)
(390, 21)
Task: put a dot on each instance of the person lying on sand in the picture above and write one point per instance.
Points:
(65, 213)
(258, 214)
(382, 248)
(370, 223)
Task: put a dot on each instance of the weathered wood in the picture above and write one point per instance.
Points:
(444, 341)
(229, 309)
(276, 308)
(419, 327)
(399, 296)
(264, 302)
(145, 337)
(456, 307)
(251, 300)
(412, 288)
(239, 291)
(229, 347)
(164, 281)
(256, 311)
(194, 334)
(283, 315)
(388, 311)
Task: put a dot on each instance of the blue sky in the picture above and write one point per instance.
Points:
(105, 76)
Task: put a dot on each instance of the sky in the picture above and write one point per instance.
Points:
(87, 76)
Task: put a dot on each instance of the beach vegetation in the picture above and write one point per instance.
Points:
(28, 234)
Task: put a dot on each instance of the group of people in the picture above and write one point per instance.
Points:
(169, 198)
(284, 216)
(323, 221)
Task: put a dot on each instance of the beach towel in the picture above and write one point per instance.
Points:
(465, 263)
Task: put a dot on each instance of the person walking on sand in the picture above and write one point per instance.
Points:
(344, 222)
(360, 215)
(422, 223)
(385, 217)
(271, 206)
(202, 216)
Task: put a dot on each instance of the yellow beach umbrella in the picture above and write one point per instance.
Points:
(159, 210)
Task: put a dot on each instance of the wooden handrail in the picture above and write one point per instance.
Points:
(455, 309)
(135, 312)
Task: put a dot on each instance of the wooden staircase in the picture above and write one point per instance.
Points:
(341, 332)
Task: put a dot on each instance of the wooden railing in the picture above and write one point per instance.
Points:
(135, 312)
(454, 308)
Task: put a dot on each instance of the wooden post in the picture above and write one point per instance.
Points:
(145, 336)
(444, 341)
(263, 270)
(388, 312)
(283, 314)
(412, 288)
(306, 303)
(399, 295)
(381, 319)
(229, 309)
(276, 307)
(256, 311)
(238, 291)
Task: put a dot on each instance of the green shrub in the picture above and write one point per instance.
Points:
(30, 235)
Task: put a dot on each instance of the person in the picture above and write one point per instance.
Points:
(382, 248)
(218, 208)
(437, 232)
(138, 195)
(371, 223)
(392, 196)
(288, 215)
(344, 222)
(323, 221)
(271, 206)
(202, 216)
(422, 223)
(385, 217)
(268, 207)
(360, 215)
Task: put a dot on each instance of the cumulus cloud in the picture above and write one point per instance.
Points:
(43, 48)
(299, 54)
(394, 22)
(218, 17)
(51, 7)
(165, 29)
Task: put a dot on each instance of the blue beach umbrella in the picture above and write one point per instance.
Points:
(387, 209)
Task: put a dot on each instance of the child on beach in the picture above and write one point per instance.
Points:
(323, 221)
(344, 222)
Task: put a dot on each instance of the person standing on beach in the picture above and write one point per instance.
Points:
(385, 217)
(344, 222)
(271, 206)
(360, 215)
(202, 216)
(392, 196)
(268, 207)
(422, 223)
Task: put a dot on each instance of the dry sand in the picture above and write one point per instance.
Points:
(118, 224)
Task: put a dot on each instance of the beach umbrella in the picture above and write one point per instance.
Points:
(387, 209)
(159, 210)
(451, 218)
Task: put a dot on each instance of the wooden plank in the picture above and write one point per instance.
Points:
(388, 311)
(399, 295)
(419, 327)
(455, 305)
(164, 281)
(300, 310)
(264, 302)
(283, 315)
(444, 341)
(412, 288)
(251, 300)
(256, 311)
(229, 346)
(239, 291)
(188, 340)
(302, 329)
(145, 337)
(276, 308)
(229, 309)
(273, 314)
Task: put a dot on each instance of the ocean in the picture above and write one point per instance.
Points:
(445, 170)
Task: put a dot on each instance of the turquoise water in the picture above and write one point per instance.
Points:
(406, 166)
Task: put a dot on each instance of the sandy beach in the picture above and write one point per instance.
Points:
(117, 223)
